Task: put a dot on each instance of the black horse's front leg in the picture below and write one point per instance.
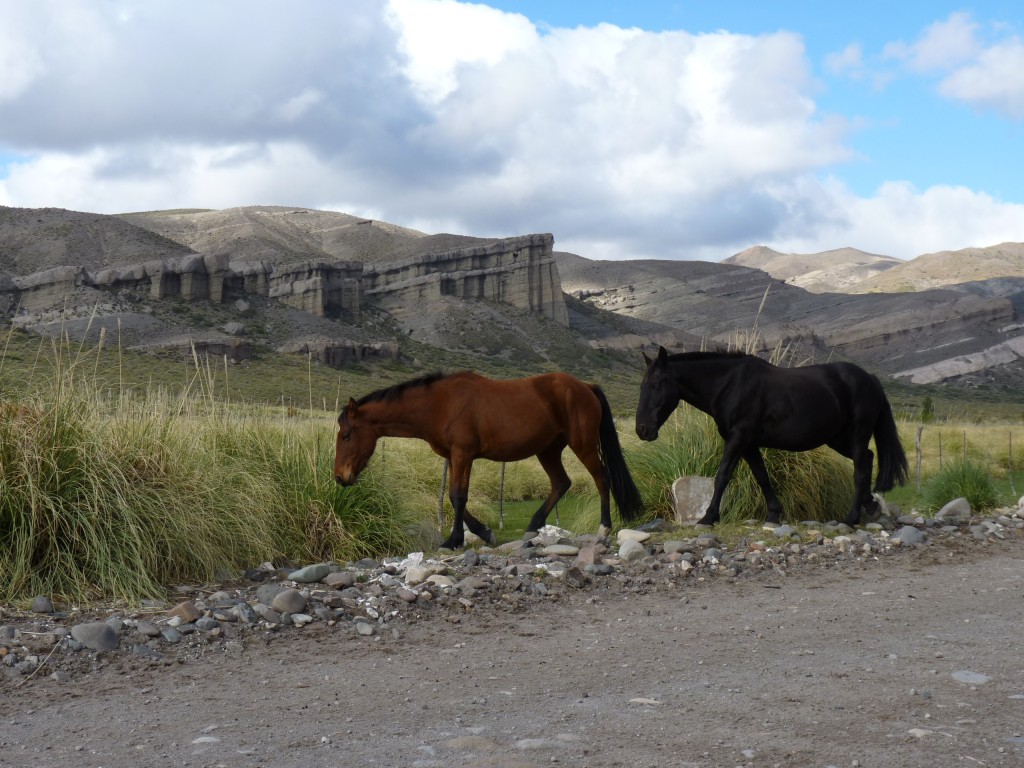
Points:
(730, 457)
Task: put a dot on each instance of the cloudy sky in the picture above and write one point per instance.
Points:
(640, 129)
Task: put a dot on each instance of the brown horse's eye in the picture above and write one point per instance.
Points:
(346, 436)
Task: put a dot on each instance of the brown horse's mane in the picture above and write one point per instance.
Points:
(392, 393)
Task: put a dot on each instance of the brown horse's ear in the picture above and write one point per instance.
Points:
(662, 356)
(351, 407)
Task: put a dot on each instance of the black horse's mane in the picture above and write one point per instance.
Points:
(392, 393)
(716, 354)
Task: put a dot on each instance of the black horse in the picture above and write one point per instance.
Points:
(758, 405)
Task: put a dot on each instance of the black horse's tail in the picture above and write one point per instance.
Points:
(892, 461)
(627, 497)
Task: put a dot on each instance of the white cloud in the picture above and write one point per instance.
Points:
(445, 116)
(943, 46)
(900, 220)
(994, 80)
(984, 74)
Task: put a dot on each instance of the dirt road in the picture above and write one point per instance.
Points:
(912, 660)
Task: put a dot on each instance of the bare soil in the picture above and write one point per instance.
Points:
(875, 663)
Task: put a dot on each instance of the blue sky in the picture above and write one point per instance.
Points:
(628, 130)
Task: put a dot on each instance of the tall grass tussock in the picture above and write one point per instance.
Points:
(119, 494)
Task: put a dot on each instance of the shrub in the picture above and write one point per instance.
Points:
(119, 499)
(961, 478)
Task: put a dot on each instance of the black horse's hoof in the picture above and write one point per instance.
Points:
(528, 535)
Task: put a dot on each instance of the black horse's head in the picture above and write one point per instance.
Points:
(659, 396)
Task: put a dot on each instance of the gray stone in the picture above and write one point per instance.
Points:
(147, 628)
(171, 635)
(267, 592)
(96, 636)
(245, 613)
(310, 574)
(691, 496)
(288, 601)
(631, 551)
(909, 535)
(266, 613)
(206, 623)
(711, 554)
(560, 550)
(956, 512)
(42, 604)
(340, 579)
(675, 545)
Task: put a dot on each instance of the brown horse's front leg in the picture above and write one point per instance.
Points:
(459, 495)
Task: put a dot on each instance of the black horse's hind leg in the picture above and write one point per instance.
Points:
(756, 463)
(551, 461)
(862, 498)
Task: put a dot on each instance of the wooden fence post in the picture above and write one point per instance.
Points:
(440, 500)
(920, 429)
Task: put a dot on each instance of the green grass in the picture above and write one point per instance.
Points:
(961, 478)
(121, 474)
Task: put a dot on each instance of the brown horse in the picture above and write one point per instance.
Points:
(465, 416)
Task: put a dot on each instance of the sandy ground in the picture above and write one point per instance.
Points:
(911, 660)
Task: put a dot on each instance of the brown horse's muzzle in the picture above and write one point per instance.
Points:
(346, 480)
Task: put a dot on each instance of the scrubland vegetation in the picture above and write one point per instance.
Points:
(113, 486)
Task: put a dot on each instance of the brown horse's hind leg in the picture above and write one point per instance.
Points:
(551, 460)
(591, 459)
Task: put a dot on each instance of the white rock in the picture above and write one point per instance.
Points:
(628, 534)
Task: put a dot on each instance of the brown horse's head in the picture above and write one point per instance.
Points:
(355, 446)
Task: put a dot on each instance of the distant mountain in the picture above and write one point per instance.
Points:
(345, 288)
(286, 235)
(948, 268)
(836, 271)
(726, 304)
(36, 239)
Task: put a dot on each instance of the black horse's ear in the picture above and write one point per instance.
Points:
(662, 356)
(647, 360)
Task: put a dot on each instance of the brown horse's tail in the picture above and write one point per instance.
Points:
(627, 497)
(892, 460)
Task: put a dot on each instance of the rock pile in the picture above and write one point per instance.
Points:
(368, 598)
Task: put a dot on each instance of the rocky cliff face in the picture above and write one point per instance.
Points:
(520, 271)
